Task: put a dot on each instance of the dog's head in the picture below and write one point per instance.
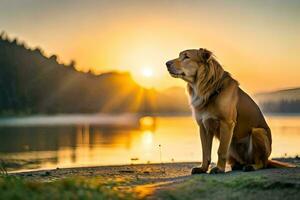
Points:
(189, 64)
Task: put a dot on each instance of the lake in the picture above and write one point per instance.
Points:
(156, 140)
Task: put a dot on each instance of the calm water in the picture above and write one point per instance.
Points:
(172, 139)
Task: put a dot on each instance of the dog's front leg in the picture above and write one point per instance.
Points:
(206, 142)
(226, 132)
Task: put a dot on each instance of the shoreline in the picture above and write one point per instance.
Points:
(294, 160)
(167, 170)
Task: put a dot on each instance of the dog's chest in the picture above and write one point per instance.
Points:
(202, 116)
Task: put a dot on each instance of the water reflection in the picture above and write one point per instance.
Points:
(85, 145)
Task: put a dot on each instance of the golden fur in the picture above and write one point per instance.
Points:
(225, 111)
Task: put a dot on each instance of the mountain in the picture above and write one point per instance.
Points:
(280, 101)
(32, 83)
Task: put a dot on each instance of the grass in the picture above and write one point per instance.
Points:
(232, 187)
(3, 170)
(196, 187)
(71, 188)
(216, 187)
(174, 185)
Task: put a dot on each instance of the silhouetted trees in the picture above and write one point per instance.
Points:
(72, 64)
(32, 83)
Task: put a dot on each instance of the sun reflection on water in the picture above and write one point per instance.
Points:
(147, 138)
(51, 147)
(147, 123)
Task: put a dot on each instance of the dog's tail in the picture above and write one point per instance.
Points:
(278, 164)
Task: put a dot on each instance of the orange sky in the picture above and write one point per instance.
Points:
(258, 42)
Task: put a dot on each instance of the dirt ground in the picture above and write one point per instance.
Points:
(173, 180)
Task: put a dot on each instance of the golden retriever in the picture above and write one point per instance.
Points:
(225, 111)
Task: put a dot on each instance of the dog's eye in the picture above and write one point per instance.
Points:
(185, 57)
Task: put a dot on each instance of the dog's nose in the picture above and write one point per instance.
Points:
(169, 63)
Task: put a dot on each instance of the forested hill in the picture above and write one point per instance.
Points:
(32, 83)
(280, 101)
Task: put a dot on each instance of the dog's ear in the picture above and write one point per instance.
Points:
(204, 54)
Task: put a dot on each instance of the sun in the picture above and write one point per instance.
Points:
(146, 77)
(147, 72)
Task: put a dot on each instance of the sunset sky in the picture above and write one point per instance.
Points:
(257, 41)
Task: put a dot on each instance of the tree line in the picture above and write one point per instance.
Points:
(281, 106)
(32, 83)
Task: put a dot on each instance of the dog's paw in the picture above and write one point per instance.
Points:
(216, 170)
(198, 170)
(248, 168)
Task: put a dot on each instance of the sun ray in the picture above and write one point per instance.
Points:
(117, 99)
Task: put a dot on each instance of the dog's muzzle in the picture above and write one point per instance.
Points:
(173, 71)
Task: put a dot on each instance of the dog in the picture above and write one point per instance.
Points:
(223, 110)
